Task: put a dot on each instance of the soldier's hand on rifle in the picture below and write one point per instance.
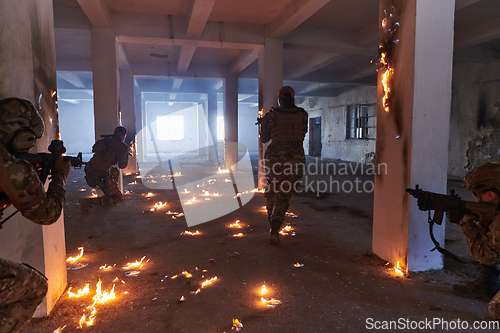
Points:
(61, 167)
(455, 215)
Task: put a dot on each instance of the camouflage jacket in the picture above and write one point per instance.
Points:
(483, 242)
(283, 151)
(107, 152)
(21, 187)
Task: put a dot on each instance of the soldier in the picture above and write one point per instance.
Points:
(99, 172)
(483, 242)
(22, 287)
(284, 159)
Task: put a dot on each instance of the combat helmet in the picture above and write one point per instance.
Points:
(21, 124)
(484, 177)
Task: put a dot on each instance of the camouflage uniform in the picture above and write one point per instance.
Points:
(22, 287)
(99, 173)
(284, 157)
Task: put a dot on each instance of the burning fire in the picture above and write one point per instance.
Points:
(159, 205)
(398, 270)
(259, 191)
(222, 170)
(298, 265)
(149, 194)
(72, 260)
(270, 302)
(290, 214)
(186, 274)
(176, 215)
(81, 292)
(239, 235)
(190, 201)
(90, 321)
(133, 265)
(263, 290)
(208, 282)
(287, 230)
(102, 297)
(83, 190)
(237, 325)
(133, 183)
(59, 329)
(187, 232)
(106, 268)
(236, 224)
(388, 71)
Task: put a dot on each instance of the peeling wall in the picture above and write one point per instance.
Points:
(474, 119)
(333, 113)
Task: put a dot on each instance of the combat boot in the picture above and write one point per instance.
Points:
(482, 289)
(274, 232)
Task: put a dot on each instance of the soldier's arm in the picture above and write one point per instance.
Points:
(305, 121)
(265, 128)
(32, 201)
(483, 244)
(122, 156)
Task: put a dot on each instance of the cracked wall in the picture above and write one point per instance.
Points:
(333, 113)
(474, 119)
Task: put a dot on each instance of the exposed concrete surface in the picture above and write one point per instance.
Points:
(339, 287)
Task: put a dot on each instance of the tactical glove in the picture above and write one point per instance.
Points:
(61, 167)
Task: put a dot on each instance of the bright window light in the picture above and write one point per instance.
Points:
(220, 128)
(170, 127)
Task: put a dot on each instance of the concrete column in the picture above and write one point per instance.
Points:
(270, 82)
(139, 142)
(230, 120)
(212, 123)
(202, 130)
(28, 70)
(127, 109)
(105, 80)
(412, 127)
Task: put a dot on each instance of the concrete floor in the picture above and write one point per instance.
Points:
(341, 287)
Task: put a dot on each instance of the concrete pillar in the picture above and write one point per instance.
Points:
(28, 70)
(270, 82)
(230, 120)
(127, 109)
(202, 130)
(412, 127)
(138, 124)
(212, 124)
(105, 80)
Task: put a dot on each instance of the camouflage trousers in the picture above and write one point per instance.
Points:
(107, 183)
(22, 289)
(280, 187)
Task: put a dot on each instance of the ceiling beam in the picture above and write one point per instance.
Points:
(123, 62)
(294, 14)
(200, 71)
(154, 29)
(242, 61)
(481, 33)
(314, 63)
(198, 15)
(97, 12)
(323, 40)
(185, 57)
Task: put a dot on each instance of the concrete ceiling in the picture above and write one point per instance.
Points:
(328, 44)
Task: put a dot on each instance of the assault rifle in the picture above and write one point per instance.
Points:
(46, 162)
(454, 207)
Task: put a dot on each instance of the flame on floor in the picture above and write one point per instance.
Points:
(59, 329)
(236, 224)
(237, 325)
(298, 265)
(106, 268)
(290, 214)
(134, 265)
(270, 302)
(208, 282)
(81, 292)
(190, 233)
(263, 290)
(238, 235)
(72, 260)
